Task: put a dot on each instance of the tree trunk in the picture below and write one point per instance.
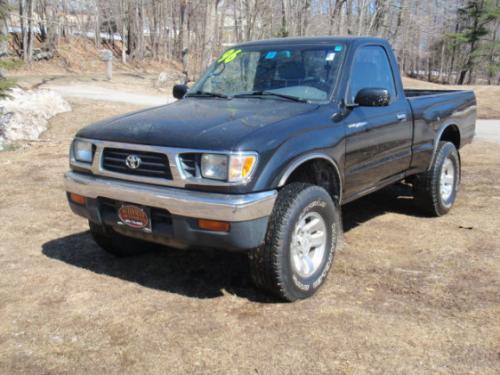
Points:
(131, 37)
(123, 31)
(492, 54)
(473, 46)
(453, 52)
(30, 32)
(182, 22)
(348, 17)
(155, 32)
(4, 29)
(221, 27)
(461, 78)
(97, 39)
(429, 68)
(340, 16)
(24, 34)
(140, 30)
(361, 19)
(284, 25)
(441, 62)
(52, 29)
(305, 12)
(468, 66)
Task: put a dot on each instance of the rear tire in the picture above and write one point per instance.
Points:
(436, 189)
(303, 233)
(115, 243)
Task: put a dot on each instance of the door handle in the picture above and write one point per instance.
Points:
(357, 125)
(401, 116)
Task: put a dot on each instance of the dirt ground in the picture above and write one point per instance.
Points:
(408, 294)
(80, 56)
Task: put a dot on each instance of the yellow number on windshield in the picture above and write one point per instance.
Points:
(229, 56)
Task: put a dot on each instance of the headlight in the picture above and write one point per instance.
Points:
(214, 166)
(82, 151)
(231, 168)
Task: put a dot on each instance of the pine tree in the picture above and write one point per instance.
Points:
(475, 16)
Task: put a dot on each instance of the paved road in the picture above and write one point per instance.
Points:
(488, 130)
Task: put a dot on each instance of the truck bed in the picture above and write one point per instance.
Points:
(433, 111)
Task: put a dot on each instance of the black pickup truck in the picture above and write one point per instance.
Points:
(261, 152)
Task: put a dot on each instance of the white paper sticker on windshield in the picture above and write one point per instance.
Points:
(330, 56)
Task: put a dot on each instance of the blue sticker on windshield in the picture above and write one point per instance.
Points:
(338, 48)
(271, 55)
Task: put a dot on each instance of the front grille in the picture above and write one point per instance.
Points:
(152, 164)
(190, 164)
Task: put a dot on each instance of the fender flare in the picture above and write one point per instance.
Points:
(438, 136)
(308, 157)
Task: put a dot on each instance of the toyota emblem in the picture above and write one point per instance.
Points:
(133, 161)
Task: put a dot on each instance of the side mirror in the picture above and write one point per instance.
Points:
(373, 97)
(179, 91)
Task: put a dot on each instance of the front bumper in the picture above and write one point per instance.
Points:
(247, 213)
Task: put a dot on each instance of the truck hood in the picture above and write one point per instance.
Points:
(201, 123)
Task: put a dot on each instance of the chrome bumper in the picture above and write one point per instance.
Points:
(226, 207)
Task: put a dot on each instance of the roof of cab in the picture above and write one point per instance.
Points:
(312, 40)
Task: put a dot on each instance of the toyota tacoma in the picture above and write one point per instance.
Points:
(261, 152)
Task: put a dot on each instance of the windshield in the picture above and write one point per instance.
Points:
(304, 72)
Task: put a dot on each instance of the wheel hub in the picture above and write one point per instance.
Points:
(308, 244)
(447, 180)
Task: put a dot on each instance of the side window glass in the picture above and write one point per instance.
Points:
(371, 69)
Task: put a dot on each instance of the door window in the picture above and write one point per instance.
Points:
(371, 69)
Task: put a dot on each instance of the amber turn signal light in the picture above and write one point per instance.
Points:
(213, 225)
(78, 199)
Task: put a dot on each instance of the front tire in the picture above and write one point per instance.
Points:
(436, 189)
(303, 233)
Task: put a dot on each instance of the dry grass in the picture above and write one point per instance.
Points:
(80, 56)
(408, 294)
(488, 97)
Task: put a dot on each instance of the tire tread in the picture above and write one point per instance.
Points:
(266, 266)
(426, 184)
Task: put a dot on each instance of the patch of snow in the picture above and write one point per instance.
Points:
(25, 115)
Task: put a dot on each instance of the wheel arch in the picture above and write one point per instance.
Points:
(303, 161)
(448, 132)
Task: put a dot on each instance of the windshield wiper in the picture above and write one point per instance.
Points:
(207, 94)
(271, 93)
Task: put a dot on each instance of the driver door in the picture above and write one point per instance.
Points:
(378, 139)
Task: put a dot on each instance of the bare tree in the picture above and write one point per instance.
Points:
(421, 32)
(4, 28)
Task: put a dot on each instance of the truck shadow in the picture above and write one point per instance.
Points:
(192, 273)
(203, 273)
(397, 198)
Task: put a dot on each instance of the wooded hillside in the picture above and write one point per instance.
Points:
(449, 41)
